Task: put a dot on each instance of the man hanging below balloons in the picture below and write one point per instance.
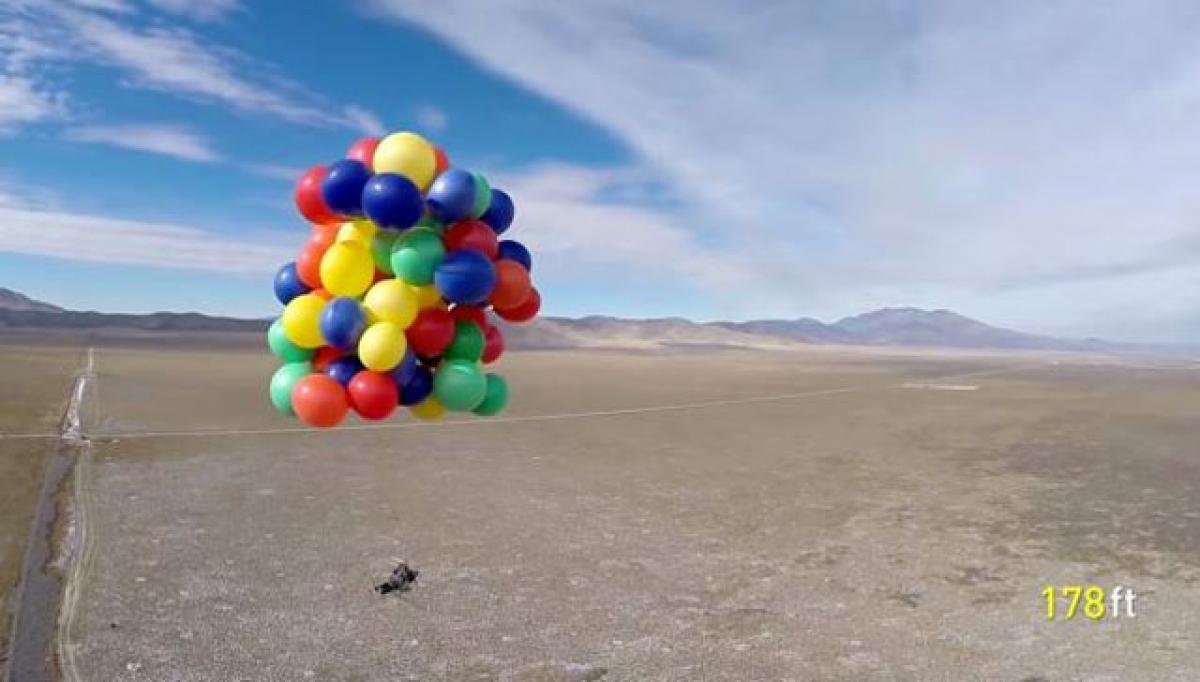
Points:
(392, 299)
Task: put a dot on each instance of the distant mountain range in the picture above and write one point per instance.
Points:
(885, 327)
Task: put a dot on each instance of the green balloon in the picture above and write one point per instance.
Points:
(494, 398)
(284, 381)
(381, 249)
(459, 385)
(467, 344)
(427, 220)
(483, 196)
(282, 346)
(416, 255)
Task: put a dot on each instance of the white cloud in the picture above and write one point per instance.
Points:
(36, 39)
(168, 140)
(909, 152)
(201, 10)
(561, 218)
(275, 171)
(99, 239)
(363, 120)
(433, 119)
(22, 101)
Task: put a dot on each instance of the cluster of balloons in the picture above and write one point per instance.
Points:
(388, 303)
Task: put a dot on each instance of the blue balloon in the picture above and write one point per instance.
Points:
(499, 214)
(514, 250)
(343, 322)
(418, 387)
(343, 369)
(465, 276)
(406, 369)
(392, 201)
(343, 186)
(452, 196)
(288, 284)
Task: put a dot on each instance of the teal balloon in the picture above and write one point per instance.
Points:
(381, 249)
(284, 381)
(467, 344)
(483, 196)
(459, 385)
(495, 396)
(416, 255)
(283, 348)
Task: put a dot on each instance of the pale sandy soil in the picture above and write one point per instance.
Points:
(856, 530)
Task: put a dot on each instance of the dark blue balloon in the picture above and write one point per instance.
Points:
(288, 284)
(418, 387)
(344, 369)
(392, 201)
(465, 276)
(452, 195)
(514, 250)
(499, 214)
(406, 369)
(343, 322)
(343, 186)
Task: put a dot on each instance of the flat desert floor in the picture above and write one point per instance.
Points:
(33, 394)
(735, 515)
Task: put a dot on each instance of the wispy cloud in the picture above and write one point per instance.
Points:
(432, 119)
(201, 10)
(916, 152)
(100, 239)
(159, 56)
(275, 171)
(562, 217)
(168, 140)
(363, 120)
(22, 101)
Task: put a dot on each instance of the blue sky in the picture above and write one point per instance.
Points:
(1027, 164)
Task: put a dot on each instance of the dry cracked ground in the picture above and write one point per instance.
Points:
(886, 516)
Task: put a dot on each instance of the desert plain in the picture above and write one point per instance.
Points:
(825, 513)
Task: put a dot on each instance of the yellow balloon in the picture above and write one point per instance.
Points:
(302, 321)
(361, 231)
(407, 154)
(391, 300)
(382, 346)
(347, 269)
(428, 297)
(429, 409)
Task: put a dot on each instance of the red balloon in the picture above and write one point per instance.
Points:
(324, 356)
(493, 344)
(431, 332)
(526, 311)
(308, 265)
(470, 313)
(373, 395)
(443, 162)
(308, 197)
(320, 401)
(363, 151)
(512, 284)
(472, 234)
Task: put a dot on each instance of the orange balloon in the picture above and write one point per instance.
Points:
(512, 284)
(308, 265)
(324, 235)
(320, 401)
(524, 311)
